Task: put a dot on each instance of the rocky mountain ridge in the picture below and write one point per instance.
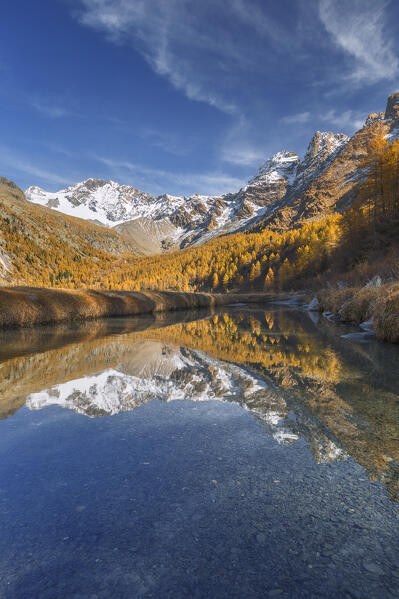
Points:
(165, 222)
(333, 183)
(285, 191)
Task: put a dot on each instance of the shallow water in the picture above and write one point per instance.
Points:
(251, 452)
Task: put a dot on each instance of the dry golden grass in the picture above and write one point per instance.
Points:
(386, 314)
(359, 304)
(25, 306)
(333, 298)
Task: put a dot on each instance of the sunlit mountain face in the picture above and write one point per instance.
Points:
(294, 375)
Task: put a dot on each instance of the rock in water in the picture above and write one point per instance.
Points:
(313, 306)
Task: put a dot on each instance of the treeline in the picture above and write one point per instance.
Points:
(257, 261)
(266, 260)
(377, 204)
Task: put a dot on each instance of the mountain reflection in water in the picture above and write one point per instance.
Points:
(297, 377)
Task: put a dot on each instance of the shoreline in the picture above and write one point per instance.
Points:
(28, 306)
(22, 307)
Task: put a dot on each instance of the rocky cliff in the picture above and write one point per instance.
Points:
(285, 191)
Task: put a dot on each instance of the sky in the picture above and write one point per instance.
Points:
(184, 96)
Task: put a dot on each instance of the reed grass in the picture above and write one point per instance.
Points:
(358, 304)
(26, 306)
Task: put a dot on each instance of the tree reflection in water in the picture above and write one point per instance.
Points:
(298, 377)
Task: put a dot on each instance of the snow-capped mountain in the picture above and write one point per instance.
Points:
(105, 202)
(164, 222)
(163, 372)
(166, 373)
(156, 371)
(284, 191)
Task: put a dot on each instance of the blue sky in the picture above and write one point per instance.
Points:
(184, 96)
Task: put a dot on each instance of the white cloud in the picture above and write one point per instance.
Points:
(244, 145)
(242, 155)
(294, 119)
(199, 47)
(55, 148)
(157, 181)
(12, 163)
(349, 120)
(263, 23)
(49, 110)
(358, 28)
(169, 37)
(167, 141)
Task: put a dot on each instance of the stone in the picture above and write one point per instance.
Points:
(367, 325)
(376, 281)
(313, 306)
(359, 337)
(374, 117)
(392, 109)
(373, 568)
(261, 538)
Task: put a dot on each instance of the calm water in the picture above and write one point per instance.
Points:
(239, 454)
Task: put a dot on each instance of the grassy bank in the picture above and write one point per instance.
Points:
(26, 306)
(358, 304)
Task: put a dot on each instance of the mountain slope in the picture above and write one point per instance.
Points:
(169, 222)
(285, 191)
(38, 245)
(334, 187)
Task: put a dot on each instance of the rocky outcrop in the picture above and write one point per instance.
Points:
(332, 182)
(284, 192)
(392, 109)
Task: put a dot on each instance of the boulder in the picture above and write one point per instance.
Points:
(392, 109)
(313, 306)
(367, 325)
(375, 282)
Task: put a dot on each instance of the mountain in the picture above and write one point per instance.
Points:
(284, 192)
(330, 184)
(165, 222)
(43, 243)
(37, 245)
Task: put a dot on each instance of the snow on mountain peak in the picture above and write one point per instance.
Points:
(179, 220)
(326, 143)
(280, 166)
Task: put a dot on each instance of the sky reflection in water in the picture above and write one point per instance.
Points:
(280, 478)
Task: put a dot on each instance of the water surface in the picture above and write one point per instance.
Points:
(248, 452)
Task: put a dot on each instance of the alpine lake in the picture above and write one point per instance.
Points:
(248, 452)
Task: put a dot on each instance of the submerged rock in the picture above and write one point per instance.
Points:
(331, 317)
(375, 282)
(368, 325)
(359, 337)
(313, 306)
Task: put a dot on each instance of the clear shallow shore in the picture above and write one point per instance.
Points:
(284, 484)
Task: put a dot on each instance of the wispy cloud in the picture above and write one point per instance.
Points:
(12, 162)
(167, 141)
(57, 149)
(242, 155)
(349, 120)
(261, 21)
(358, 28)
(296, 119)
(167, 35)
(159, 181)
(48, 109)
(243, 146)
(193, 45)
